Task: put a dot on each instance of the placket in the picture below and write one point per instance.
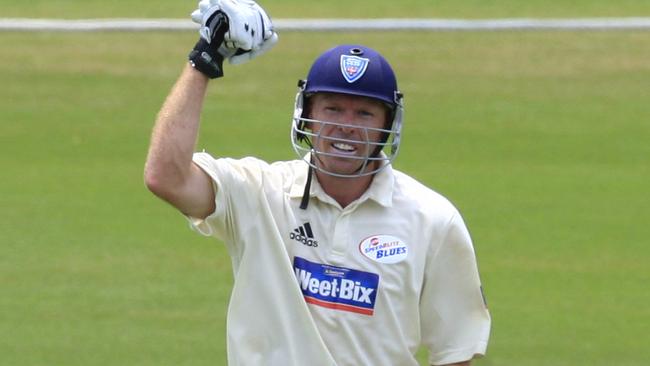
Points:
(341, 235)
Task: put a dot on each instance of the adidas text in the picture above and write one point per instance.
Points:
(308, 242)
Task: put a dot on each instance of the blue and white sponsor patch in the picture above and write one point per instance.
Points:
(337, 288)
(384, 248)
(353, 67)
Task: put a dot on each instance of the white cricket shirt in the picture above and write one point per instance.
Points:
(360, 285)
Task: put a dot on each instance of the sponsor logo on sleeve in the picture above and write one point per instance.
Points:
(384, 248)
(337, 288)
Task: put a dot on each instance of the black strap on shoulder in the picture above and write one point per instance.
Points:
(305, 195)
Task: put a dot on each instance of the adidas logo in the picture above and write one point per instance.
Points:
(303, 234)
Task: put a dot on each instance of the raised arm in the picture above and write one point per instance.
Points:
(169, 171)
(231, 30)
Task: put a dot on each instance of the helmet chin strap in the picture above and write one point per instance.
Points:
(304, 202)
(305, 194)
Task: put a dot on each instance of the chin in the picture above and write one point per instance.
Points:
(344, 168)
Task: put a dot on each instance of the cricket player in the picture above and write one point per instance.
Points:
(338, 258)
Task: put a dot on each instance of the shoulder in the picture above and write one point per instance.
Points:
(289, 166)
(435, 216)
(206, 159)
(410, 192)
(251, 169)
(244, 165)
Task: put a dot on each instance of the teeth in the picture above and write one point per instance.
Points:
(343, 147)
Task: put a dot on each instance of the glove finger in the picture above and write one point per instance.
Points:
(241, 58)
(236, 39)
(205, 33)
(204, 5)
(239, 26)
(266, 45)
(197, 16)
(266, 23)
(270, 42)
(260, 30)
(226, 52)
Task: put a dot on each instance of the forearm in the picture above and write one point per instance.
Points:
(175, 133)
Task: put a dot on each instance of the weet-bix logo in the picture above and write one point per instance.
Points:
(303, 234)
(337, 288)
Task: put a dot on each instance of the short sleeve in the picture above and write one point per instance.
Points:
(455, 321)
(237, 185)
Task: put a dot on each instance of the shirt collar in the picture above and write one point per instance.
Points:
(380, 190)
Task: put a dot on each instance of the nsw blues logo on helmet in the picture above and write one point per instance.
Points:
(353, 67)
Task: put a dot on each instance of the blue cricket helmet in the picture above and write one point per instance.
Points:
(353, 70)
(356, 70)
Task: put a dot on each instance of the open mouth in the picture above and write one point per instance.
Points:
(344, 148)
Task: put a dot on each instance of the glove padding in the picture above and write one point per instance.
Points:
(249, 30)
(206, 56)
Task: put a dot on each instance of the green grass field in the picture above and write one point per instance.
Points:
(334, 8)
(540, 138)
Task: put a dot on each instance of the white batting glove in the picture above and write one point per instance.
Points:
(250, 30)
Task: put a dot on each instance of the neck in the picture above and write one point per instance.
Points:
(343, 190)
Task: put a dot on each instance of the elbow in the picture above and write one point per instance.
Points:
(157, 183)
(152, 182)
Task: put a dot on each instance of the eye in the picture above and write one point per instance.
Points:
(332, 109)
(365, 114)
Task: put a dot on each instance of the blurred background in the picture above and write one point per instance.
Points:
(539, 137)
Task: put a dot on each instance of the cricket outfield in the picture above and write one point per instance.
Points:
(540, 139)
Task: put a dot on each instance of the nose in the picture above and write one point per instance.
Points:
(347, 122)
(346, 128)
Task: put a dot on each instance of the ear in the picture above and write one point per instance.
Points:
(306, 107)
(390, 116)
(306, 112)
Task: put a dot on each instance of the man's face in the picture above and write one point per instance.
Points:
(353, 119)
